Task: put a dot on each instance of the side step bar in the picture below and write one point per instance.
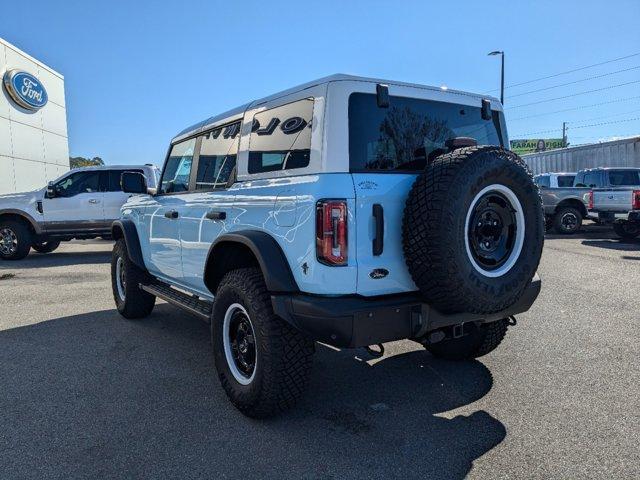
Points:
(190, 303)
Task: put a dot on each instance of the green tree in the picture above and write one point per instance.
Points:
(77, 162)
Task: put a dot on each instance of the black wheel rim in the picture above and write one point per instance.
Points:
(492, 230)
(569, 222)
(243, 343)
(8, 241)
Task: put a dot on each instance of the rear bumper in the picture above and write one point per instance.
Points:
(610, 217)
(634, 216)
(355, 321)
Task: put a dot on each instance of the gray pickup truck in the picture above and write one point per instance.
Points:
(564, 205)
(619, 204)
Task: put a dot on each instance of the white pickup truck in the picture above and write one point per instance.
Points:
(83, 203)
(619, 205)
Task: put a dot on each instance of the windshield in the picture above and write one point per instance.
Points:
(412, 132)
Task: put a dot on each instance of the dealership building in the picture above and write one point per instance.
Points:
(33, 122)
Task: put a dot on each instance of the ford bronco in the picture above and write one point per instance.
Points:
(348, 211)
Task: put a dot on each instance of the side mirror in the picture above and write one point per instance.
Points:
(51, 191)
(133, 182)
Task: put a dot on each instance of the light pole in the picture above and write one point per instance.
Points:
(501, 53)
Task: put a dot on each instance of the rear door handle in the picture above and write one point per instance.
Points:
(171, 214)
(216, 215)
(378, 240)
(93, 200)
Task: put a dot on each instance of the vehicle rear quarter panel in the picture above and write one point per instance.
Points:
(285, 209)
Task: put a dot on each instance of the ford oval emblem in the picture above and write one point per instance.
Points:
(378, 273)
(25, 89)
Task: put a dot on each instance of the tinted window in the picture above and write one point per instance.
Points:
(579, 180)
(543, 181)
(177, 169)
(79, 182)
(624, 177)
(566, 180)
(218, 153)
(411, 132)
(591, 179)
(281, 137)
(114, 179)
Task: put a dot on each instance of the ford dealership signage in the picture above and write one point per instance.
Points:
(25, 89)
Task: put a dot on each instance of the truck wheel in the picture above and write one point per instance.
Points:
(626, 230)
(567, 220)
(45, 247)
(15, 240)
(263, 362)
(473, 230)
(131, 301)
(480, 341)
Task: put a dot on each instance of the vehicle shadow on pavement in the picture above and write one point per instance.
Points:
(57, 259)
(615, 244)
(94, 395)
(588, 231)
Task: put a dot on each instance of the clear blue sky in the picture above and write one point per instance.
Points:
(138, 72)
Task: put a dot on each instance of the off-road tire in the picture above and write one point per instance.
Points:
(136, 303)
(24, 239)
(435, 222)
(626, 230)
(559, 225)
(480, 341)
(45, 247)
(284, 354)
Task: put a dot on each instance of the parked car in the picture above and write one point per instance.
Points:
(565, 206)
(619, 204)
(349, 211)
(82, 203)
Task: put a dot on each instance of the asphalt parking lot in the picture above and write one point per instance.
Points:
(84, 393)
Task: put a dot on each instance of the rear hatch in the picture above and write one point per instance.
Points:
(388, 148)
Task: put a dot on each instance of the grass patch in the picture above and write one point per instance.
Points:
(6, 276)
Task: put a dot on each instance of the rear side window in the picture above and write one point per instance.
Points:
(620, 178)
(114, 179)
(177, 169)
(281, 138)
(217, 158)
(411, 132)
(565, 180)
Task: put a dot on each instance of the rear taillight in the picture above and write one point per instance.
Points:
(331, 232)
(635, 200)
(590, 200)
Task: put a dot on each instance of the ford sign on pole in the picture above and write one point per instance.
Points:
(25, 89)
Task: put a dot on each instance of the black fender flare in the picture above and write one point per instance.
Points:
(270, 257)
(126, 229)
(20, 213)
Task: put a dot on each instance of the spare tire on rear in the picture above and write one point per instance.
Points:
(473, 230)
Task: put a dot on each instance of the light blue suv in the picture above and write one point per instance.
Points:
(349, 211)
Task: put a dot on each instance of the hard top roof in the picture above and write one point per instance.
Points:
(331, 78)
